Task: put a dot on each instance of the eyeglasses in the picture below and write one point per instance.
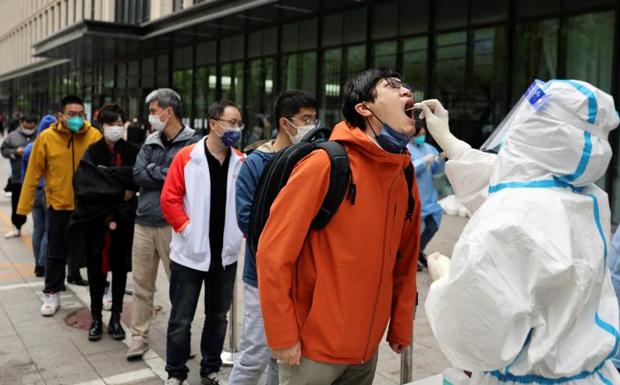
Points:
(233, 123)
(307, 121)
(72, 114)
(397, 84)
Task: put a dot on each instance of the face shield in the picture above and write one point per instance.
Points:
(534, 97)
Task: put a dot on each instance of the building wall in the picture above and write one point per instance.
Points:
(23, 23)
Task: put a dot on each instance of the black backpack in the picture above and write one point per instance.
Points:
(341, 183)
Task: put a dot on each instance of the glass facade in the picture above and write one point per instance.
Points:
(476, 56)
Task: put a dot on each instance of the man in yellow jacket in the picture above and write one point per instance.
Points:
(55, 156)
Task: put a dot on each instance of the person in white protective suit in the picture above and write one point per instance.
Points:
(526, 298)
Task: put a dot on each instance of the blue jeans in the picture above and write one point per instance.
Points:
(40, 227)
(185, 286)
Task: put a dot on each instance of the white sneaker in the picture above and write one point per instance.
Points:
(51, 303)
(176, 381)
(13, 234)
(107, 300)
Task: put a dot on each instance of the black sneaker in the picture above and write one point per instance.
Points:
(77, 280)
(209, 379)
(422, 260)
(39, 271)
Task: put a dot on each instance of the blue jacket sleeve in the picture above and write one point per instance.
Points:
(247, 183)
(146, 173)
(25, 159)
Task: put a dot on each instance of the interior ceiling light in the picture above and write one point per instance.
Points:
(294, 9)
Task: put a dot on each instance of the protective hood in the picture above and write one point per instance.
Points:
(558, 131)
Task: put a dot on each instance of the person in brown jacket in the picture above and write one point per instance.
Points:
(328, 295)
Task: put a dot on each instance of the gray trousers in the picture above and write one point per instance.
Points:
(255, 354)
(319, 373)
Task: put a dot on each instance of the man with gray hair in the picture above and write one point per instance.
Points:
(152, 235)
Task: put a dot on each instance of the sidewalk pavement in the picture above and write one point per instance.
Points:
(55, 350)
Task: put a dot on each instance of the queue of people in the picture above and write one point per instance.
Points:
(319, 299)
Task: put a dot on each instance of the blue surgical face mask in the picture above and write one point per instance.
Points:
(389, 139)
(230, 136)
(75, 123)
(419, 139)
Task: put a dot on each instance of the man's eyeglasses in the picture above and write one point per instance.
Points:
(308, 121)
(72, 114)
(397, 84)
(233, 123)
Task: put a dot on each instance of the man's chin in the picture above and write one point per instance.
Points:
(408, 130)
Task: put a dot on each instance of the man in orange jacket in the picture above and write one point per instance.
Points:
(328, 295)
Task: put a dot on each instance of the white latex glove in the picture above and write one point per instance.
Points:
(428, 160)
(438, 265)
(437, 122)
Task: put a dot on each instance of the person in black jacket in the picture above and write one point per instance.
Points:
(104, 217)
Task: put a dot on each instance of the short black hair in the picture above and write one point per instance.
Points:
(360, 89)
(110, 113)
(217, 109)
(290, 102)
(69, 99)
(29, 118)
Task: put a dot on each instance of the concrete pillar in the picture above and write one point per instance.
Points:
(88, 7)
(79, 10)
(160, 8)
(71, 10)
(108, 10)
(187, 3)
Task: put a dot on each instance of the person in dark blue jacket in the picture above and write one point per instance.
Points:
(295, 113)
(39, 210)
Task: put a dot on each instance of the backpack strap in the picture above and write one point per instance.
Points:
(409, 172)
(339, 180)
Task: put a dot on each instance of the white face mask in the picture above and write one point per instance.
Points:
(113, 133)
(28, 132)
(301, 132)
(156, 123)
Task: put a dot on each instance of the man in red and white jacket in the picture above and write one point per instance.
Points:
(198, 201)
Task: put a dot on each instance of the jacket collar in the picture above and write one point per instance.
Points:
(155, 138)
(198, 154)
(62, 129)
(345, 133)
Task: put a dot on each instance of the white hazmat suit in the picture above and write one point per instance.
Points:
(528, 298)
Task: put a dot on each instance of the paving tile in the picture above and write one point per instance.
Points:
(59, 360)
(41, 332)
(106, 344)
(150, 381)
(111, 363)
(74, 379)
(20, 372)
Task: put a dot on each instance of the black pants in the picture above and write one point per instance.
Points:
(96, 282)
(185, 286)
(430, 228)
(17, 220)
(57, 249)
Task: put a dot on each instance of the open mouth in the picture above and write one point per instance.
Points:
(409, 109)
